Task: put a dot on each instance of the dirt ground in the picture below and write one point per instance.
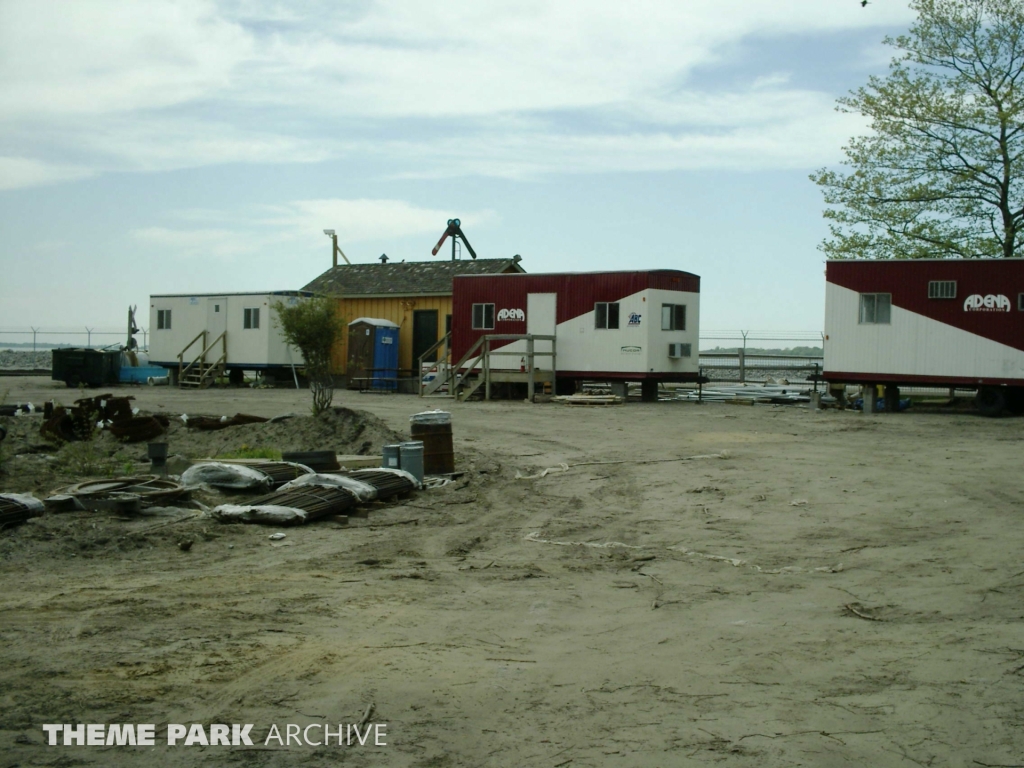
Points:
(817, 589)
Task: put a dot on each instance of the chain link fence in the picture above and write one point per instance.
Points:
(29, 338)
(760, 356)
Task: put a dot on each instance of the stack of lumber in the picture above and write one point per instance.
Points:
(588, 399)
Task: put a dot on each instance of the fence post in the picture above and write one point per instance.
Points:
(743, 358)
(34, 331)
(88, 332)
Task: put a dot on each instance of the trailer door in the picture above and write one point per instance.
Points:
(540, 320)
(216, 322)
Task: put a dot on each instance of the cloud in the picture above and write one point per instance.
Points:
(106, 56)
(198, 243)
(105, 85)
(18, 172)
(361, 220)
(295, 227)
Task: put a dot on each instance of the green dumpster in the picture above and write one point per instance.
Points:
(92, 367)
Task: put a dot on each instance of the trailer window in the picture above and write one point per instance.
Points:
(606, 314)
(1020, 302)
(942, 289)
(163, 319)
(251, 318)
(875, 308)
(483, 317)
(673, 317)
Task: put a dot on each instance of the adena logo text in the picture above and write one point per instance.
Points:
(511, 314)
(630, 350)
(214, 735)
(991, 303)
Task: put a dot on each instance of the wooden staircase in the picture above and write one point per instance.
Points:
(199, 374)
(463, 379)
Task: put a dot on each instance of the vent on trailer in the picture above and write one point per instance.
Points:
(677, 350)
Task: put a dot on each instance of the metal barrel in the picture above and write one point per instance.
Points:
(412, 458)
(392, 457)
(438, 453)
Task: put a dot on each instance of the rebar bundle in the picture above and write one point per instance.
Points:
(16, 508)
(279, 472)
(388, 484)
(316, 501)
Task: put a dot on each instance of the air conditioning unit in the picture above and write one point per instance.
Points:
(675, 351)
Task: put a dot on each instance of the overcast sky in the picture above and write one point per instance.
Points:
(196, 147)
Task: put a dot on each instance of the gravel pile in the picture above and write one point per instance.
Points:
(10, 358)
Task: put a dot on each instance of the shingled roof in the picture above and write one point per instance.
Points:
(404, 278)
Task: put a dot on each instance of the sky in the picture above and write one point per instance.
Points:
(200, 147)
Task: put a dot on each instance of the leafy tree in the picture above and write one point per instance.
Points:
(313, 326)
(942, 173)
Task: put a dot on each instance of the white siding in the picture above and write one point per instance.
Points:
(658, 340)
(582, 347)
(188, 318)
(910, 345)
(245, 346)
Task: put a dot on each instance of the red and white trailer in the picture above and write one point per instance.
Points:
(611, 326)
(928, 322)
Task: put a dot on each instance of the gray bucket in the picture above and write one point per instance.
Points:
(412, 458)
(391, 458)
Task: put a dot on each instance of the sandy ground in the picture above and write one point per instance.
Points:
(837, 590)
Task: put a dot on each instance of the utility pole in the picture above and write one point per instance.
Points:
(335, 250)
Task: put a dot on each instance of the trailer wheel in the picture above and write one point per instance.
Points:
(1015, 401)
(990, 401)
(73, 380)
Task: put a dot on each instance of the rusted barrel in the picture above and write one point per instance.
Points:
(434, 428)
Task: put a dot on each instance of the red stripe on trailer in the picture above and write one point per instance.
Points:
(907, 282)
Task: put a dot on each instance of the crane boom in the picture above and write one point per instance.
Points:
(454, 230)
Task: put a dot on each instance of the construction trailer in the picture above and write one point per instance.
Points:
(564, 328)
(949, 323)
(201, 337)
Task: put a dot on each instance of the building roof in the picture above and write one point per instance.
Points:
(229, 293)
(404, 278)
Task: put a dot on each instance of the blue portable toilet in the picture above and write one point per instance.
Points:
(372, 354)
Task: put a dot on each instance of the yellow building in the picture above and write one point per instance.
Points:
(415, 295)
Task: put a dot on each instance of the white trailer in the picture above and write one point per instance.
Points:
(950, 323)
(619, 327)
(220, 332)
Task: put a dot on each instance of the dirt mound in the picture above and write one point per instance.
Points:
(29, 463)
(341, 430)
